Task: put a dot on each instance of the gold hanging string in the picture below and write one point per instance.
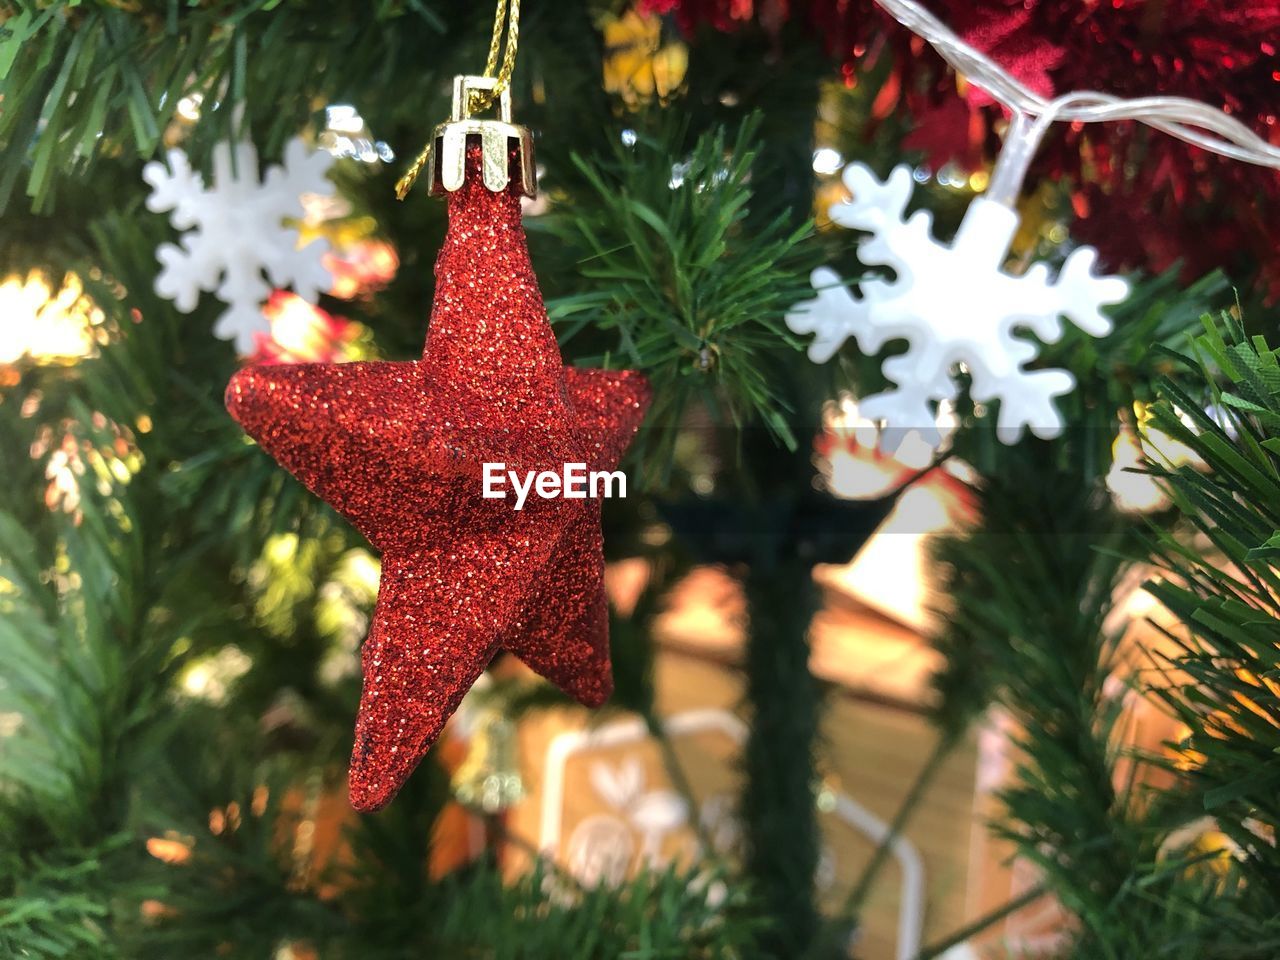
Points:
(506, 21)
(482, 98)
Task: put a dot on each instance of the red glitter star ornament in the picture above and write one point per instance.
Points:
(398, 449)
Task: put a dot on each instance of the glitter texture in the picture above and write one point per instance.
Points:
(398, 448)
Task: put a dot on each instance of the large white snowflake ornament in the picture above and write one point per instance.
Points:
(237, 232)
(953, 305)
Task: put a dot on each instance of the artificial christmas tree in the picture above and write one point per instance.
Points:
(181, 620)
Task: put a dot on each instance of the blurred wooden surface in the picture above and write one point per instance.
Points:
(875, 740)
(871, 751)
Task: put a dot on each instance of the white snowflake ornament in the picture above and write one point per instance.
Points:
(953, 305)
(237, 233)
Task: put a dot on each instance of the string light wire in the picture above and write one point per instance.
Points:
(1192, 121)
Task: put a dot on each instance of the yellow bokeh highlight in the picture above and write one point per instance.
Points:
(637, 64)
(44, 324)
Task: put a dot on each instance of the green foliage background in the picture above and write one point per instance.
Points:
(187, 540)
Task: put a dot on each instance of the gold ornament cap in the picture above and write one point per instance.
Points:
(447, 153)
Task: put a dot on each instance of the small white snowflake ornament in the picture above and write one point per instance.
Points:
(953, 305)
(237, 232)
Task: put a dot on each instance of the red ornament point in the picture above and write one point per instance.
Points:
(398, 449)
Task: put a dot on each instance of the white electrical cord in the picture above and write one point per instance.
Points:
(1190, 120)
